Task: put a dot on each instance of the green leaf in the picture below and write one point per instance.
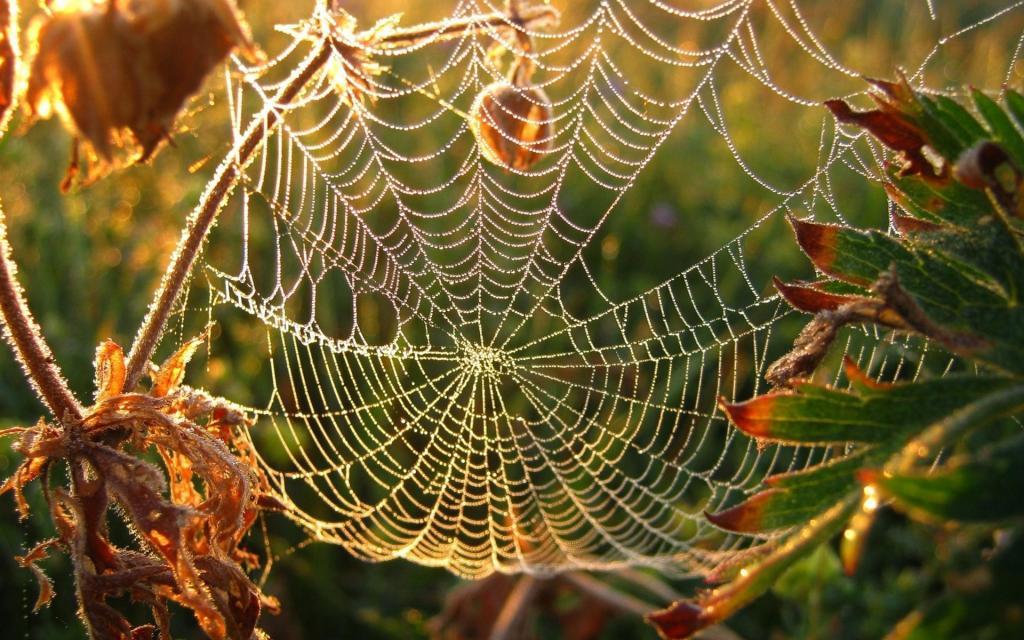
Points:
(944, 133)
(1002, 127)
(980, 487)
(970, 130)
(1015, 105)
(795, 498)
(947, 201)
(822, 415)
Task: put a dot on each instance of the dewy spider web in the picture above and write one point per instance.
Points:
(450, 382)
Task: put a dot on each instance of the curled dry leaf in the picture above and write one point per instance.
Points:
(891, 125)
(118, 72)
(29, 561)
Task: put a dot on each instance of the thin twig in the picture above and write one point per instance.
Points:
(30, 348)
(516, 605)
(532, 17)
(229, 172)
(622, 602)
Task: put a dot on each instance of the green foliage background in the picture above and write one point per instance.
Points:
(90, 259)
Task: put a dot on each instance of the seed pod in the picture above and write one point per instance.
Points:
(512, 124)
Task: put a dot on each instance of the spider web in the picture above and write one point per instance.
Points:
(452, 376)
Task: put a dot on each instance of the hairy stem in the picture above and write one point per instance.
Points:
(26, 340)
(203, 216)
(229, 172)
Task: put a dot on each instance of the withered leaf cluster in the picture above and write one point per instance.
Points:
(189, 517)
(118, 72)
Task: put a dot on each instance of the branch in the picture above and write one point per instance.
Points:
(23, 334)
(229, 172)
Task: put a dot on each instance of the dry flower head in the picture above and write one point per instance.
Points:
(118, 72)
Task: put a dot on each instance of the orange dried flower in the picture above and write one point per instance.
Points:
(118, 72)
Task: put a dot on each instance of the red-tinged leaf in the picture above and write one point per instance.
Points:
(892, 129)
(860, 379)
(171, 374)
(894, 95)
(110, 370)
(809, 298)
(814, 414)
(754, 417)
(681, 620)
(908, 225)
(747, 516)
(819, 242)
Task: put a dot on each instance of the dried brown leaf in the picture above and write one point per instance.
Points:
(8, 60)
(28, 561)
(172, 372)
(110, 370)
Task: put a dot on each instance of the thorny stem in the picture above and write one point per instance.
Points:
(230, 170)
(27, 341)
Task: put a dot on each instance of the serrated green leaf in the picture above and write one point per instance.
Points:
(968, 127)
(795, 498)
(943, 132)
(946, 202)
(980, 487)
(1002, 127)
(966, 287)
(817, 414)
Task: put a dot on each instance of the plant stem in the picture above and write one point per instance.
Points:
(506, 626)
(926, 447)
(621, 602)
(203, 216)
(27, 341)
(230, 170)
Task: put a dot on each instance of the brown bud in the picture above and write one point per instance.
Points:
(513, 125)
